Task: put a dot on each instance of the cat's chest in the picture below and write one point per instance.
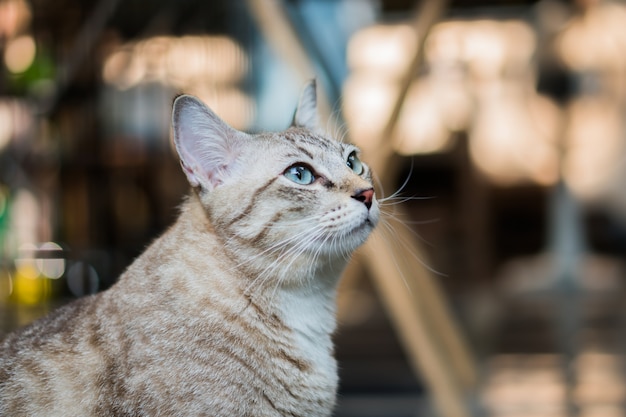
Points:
(311, 317)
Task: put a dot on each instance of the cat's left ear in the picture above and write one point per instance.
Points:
(208, 147)
(306, 112)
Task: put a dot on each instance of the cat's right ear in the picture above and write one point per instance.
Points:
(306, 113)
(207, 146)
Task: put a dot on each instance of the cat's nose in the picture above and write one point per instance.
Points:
(365, 196)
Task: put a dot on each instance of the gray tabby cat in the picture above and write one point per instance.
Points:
(231, 311)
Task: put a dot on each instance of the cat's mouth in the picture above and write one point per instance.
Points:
(350, 223)
(373, 215)
(368, 220)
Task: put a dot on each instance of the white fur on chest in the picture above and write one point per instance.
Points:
(310, 313)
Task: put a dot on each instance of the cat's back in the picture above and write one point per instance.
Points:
(42, 364)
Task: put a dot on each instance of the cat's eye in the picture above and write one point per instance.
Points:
(300, 174)
(355, 164)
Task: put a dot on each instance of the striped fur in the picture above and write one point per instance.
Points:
(229, 313)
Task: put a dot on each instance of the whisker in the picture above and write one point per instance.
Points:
(406, 181)
(340, 131)
(394, 258)
(394, 199)
(385, 221)
(299, 249)
(402, 241)
(379, 185)
(285, 253)
(395, 216)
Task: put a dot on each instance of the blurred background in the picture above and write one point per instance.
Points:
(496, 286)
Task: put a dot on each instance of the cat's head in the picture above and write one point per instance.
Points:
(296, 193)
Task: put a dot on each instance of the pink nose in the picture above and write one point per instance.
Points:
(365, 196)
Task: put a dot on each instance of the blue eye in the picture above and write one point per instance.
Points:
(300, 174)
(355, 164)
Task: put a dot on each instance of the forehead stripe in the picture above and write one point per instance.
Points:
(298, 138)
(304, 151)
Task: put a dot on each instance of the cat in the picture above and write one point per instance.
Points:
(231, 311)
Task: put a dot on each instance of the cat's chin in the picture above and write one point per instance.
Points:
(359, 234)
(364, 230)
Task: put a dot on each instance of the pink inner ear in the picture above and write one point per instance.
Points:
(189, 173)
(216, 178)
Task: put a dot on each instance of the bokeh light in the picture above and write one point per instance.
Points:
(20, 54)
(478, 78)
(588, 167)
(382, 49)
(209, 67)
(514, 134)
(15, 15)
(50, 261)
(82, 279)
(6, 125)
(179, 62)
(6, 284)
(29, 286)
(367, 105)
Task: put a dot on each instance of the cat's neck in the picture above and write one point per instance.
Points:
(260, 269)
(258, 272)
